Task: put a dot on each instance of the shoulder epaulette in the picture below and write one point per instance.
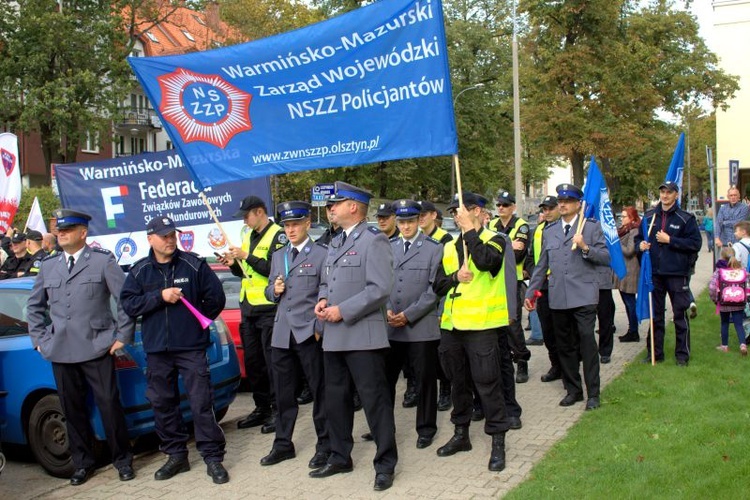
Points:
(551, 224)
(50, 257)
(139, 262)
(320, 243)
(100, 250)
(433, 240)
(591, 219)
(373, 229)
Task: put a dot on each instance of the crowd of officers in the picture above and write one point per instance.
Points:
(350, 312)
(22, 253)
(345, 315)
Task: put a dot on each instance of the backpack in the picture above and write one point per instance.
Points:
(732, 291)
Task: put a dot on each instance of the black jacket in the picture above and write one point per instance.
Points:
(172, 327)
(678, 257)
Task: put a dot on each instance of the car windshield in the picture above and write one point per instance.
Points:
(232, 285)
(13, 318)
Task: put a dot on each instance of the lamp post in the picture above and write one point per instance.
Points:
(520, 198)
(453, 168)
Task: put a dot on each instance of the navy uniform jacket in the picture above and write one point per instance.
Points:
(83, 327)
(412, 294)
(678, 257)
(295, 314)
(574, 276)
(358, 278)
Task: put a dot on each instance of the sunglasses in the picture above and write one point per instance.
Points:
(504, 205)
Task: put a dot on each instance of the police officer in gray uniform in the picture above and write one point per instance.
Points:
(294, 280)
(413, 326)
(352, 299)
(76, 286)
(573, 292)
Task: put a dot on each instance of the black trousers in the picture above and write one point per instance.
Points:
(577, 342)
(367, 369)
(424, 360)
(678, 289)
(73, 381)
(163, 393)
(548, 328)
(474, 355)
(255, 332)
(516, 336)
(512, 408)
(286, 364)
(606, 314)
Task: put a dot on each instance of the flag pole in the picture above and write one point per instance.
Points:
(650, 302)
(457, 168)
(581, 221)
(203, 197)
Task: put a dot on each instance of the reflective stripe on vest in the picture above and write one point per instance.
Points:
(439, 233)
(480, 304)
(254, 286)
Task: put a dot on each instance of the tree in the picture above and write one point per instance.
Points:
(602, 69)
(254, 19)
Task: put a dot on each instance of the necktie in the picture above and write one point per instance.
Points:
(343, 237)
(295, 253)
(406, 246)
(567, 229)
(71, 261)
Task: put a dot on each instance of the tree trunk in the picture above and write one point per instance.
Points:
(50, 149)
(383, 180)
(576, 161)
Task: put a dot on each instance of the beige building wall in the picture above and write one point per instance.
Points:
(732, 45)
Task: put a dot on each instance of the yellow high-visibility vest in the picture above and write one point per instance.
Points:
(480, 304)
(254, 286)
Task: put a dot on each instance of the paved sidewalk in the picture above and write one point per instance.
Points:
(420, 473)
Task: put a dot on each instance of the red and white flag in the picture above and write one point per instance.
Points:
(10, 180)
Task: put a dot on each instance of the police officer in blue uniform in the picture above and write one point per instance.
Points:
(36, 253)
(413, 324)
(296, 271)
(175, 343)
(76, 286)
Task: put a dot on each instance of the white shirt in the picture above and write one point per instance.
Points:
(740, 251)
(76, 256)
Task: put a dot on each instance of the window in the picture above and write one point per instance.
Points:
(199, 20)
(135, 53)
(152, 37)
(188, 35)
(91, 143)
(170, 145)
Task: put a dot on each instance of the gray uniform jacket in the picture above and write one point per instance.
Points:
(295, 314)
(574, 277)
(358, 278)
(412, 294)
(83, 327)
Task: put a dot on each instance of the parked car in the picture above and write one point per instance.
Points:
(231, 313)
(30, 412)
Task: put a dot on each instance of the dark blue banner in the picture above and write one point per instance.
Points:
(367, 86)
(123, 194)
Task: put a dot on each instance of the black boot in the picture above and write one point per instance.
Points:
(522, 372)
(410, 396)
(497, 456)
(444, 399)
(459, 442)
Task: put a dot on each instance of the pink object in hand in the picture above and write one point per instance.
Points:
(204, 321)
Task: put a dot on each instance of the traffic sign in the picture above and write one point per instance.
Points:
(321, 192)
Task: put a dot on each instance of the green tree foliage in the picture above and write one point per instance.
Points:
(255, 19)
(47, 202)
(602, 70)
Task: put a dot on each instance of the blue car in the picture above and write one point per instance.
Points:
(30, 412)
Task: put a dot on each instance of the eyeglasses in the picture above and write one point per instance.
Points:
(504, 205)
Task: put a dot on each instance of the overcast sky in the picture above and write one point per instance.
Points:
(704, 11)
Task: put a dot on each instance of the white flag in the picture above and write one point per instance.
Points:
(10, 180)
(36, 220)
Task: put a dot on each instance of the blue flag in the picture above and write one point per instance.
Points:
(367, 86)
(598, 207)
(645, 282)
(677, 165)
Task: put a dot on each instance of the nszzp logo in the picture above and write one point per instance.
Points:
(113, 207)
(204, 107)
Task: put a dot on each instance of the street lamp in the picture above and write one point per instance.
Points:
(520, 198)
(453, 168)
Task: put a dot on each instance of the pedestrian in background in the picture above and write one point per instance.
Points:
(729, 214)
(708, 227)
(727, 289)
(628, 286)
(73, 292)
(175, 343)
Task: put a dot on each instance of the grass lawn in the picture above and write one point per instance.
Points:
(661, 432)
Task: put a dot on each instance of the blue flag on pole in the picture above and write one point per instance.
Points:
(367, 86)
(677, 165)
(645, 282)
(598, 207)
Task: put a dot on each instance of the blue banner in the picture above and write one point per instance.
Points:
(123, 194)
(677, 165)
(367, 86)
(598, 206)
(645, 281)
